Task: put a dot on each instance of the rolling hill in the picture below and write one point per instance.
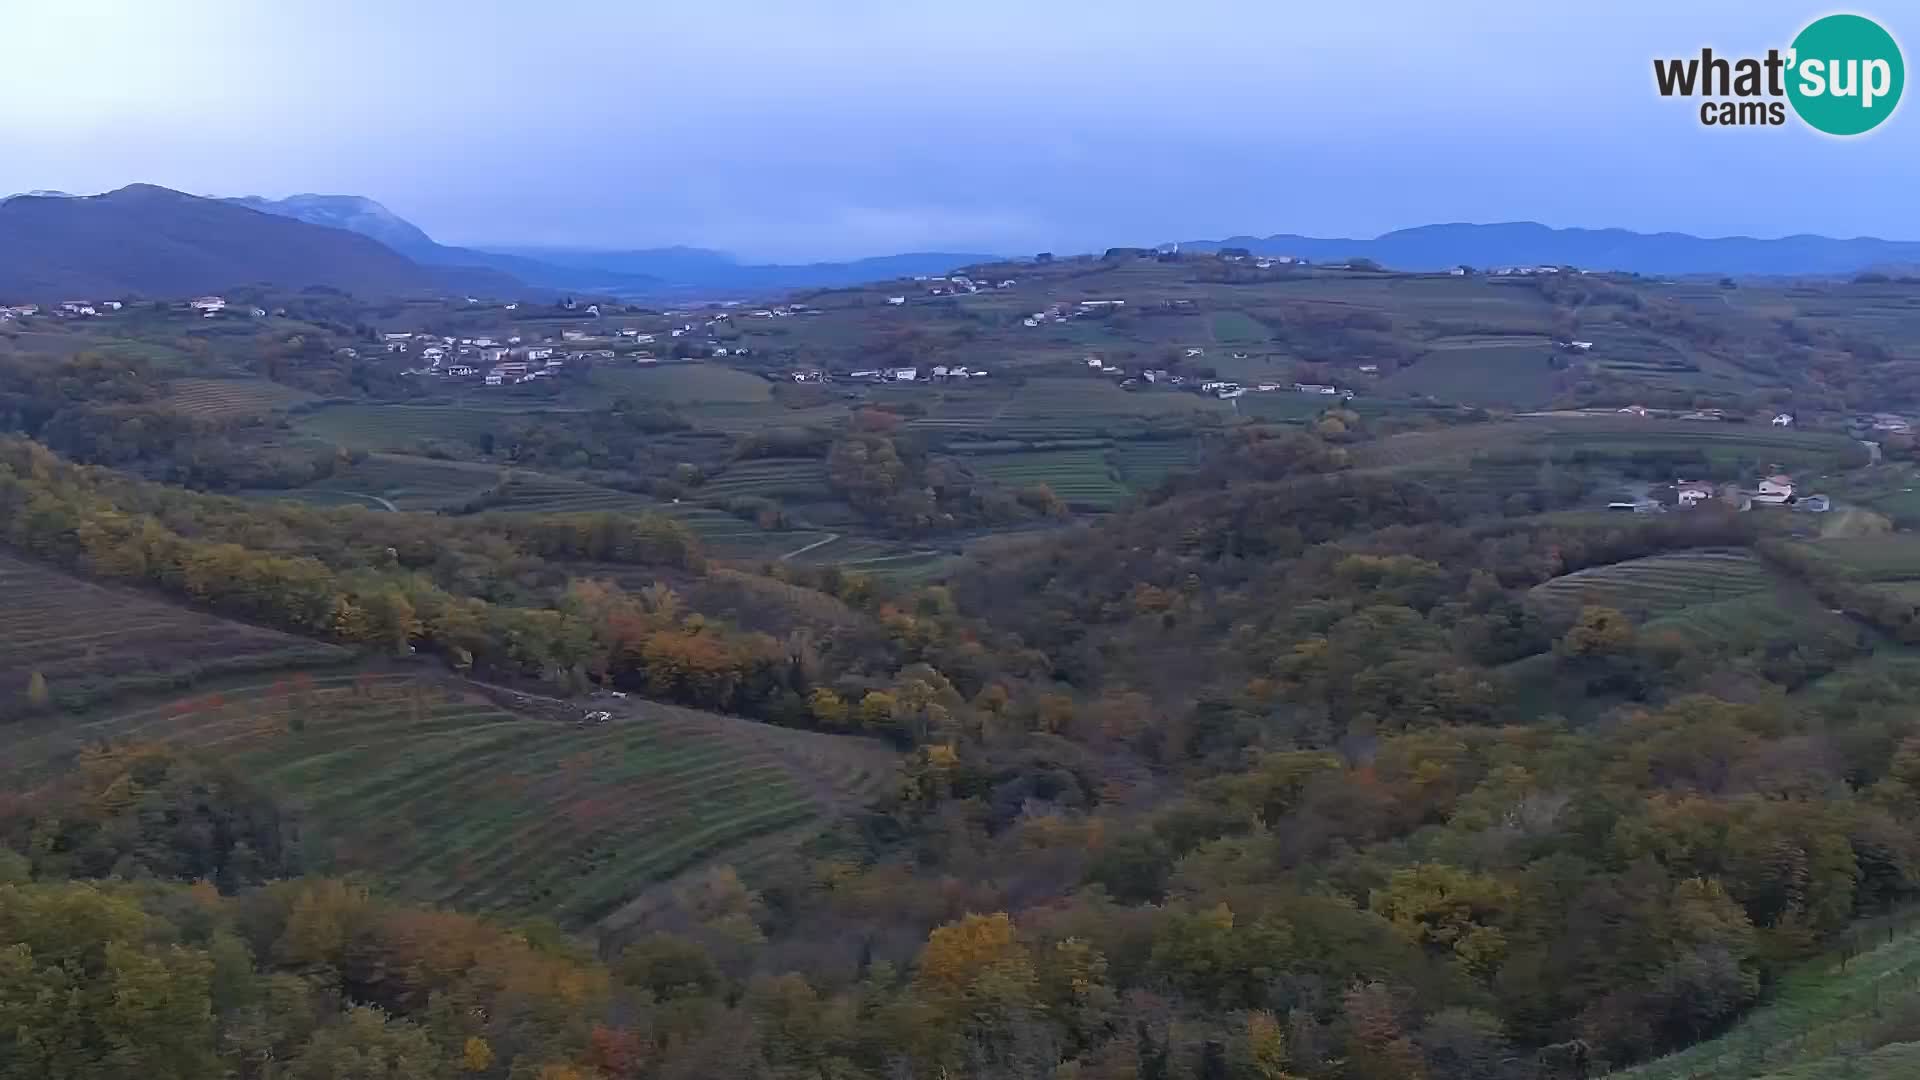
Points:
(153, 241)
(1522, 243)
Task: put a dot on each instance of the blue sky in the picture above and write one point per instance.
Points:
(832, 128)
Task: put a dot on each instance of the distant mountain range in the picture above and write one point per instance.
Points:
(645, 272)
(153, 241)
(1521, 243)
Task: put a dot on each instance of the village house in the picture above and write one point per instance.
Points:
(1691, 493)
(580, 335)
(1634, 410)
(1774, 490)
(1369, 369)
(1314, 388)
(463, 370)
(493, 355)
(1783, 420)
(896, 301)
(112, 305)
(865, 373)
(398, 336)
(78, 307)
(905, 374)
(207, 304)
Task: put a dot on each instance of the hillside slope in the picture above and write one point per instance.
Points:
(153, 241)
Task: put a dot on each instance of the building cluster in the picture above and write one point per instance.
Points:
(495, 362)
(936, 373)
(1774, 489)
(66, 309)
(1059, 313)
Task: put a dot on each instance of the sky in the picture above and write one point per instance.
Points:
(797, 130)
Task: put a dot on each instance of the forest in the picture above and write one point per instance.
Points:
(1275, 773)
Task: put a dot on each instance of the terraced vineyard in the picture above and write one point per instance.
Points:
(399, 427)
(771, 478)
(450, 798)
(1145, 464)
(90, 642)
(1869, 558)
(1080, 477)
(1658, 585)
(537, 493)
(232, 397)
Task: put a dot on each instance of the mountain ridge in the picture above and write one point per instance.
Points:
(1518, 243)
(148, 240)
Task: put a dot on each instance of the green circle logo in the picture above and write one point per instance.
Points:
(1846, 74)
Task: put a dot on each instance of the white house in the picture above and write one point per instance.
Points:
(494, 378)
(1093, 362)
(1196, 352)
(905, 374)
(397, 337)
(463, 370)
(207, 303)
(939, 371)
(111, 305)
(1692, 493)
(580, 335)
(539, 352)
(865, 373)
(1783, 420)
(493, 355)
(896, 301)
(1774, 490)
(1314, 388)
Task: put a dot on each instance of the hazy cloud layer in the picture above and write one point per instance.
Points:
(827, 129)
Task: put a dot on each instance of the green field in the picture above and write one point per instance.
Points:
(1081, 478)
(1238, 328)
(1145, 464)
(682, 383)
(771, 478)
(231, 397)
(91, 642)
(1658, 585)
(398, 427)
(449, 798)
(1603, 437)
(1481, 373)
(1851, 1019)
(1892, 557)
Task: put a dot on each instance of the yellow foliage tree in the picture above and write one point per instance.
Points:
(476, 1056)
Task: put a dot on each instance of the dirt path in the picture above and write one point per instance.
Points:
(385, 504)
(831, 537)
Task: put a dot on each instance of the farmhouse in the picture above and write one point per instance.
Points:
(1774, 490)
